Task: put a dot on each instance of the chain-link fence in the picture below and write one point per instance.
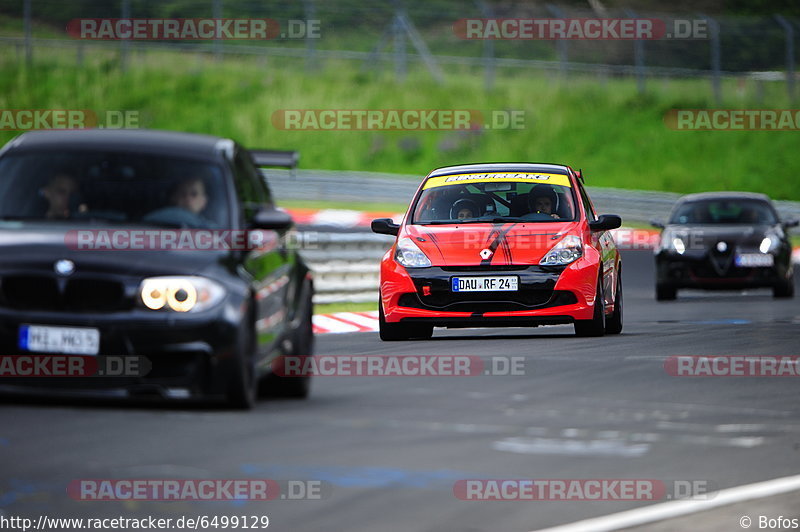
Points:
(437, 35)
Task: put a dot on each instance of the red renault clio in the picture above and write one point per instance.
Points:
(500, 245)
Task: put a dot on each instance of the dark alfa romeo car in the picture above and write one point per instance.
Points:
(726, 240)
(136, 243)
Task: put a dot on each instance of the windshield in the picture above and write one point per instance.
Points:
(112, 187)
(496, 197)
(724, 211)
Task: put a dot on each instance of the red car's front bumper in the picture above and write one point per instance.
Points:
(547, 295)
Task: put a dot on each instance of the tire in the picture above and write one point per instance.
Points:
(784, 290)
(597, 325)
(665, 292)
(614, 322)
(243, 387)
(302, 346)
(393, 332)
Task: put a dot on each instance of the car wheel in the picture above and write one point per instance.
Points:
(302, 346)
(242, 390)
(614, 322)
(665, 292)
(392, 332)
(597, 325)
(784, 290)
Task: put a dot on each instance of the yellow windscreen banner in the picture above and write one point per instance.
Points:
(497, 177)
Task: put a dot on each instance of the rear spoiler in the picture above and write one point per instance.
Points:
(280, 158)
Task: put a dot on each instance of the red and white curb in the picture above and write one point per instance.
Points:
(343, 218)
(346, 322)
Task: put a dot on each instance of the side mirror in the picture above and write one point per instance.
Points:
(605, 222)
(657, 223)
(385, 226)
(791, 222)
(271, 219)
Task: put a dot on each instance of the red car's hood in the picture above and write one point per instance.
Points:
(510, 243)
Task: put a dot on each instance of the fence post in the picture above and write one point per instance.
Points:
(716, 82)
(419, 44)
(310, 10)
(125, 44)
(27, 11)
(399, 39)
(787, 27)
(561, 44)
(638, 56)
(488, 47)
(216, 13)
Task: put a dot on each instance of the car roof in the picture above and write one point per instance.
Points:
(727, 195)
(501, 167)
(127, 140)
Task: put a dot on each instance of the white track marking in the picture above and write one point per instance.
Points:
(669, 510)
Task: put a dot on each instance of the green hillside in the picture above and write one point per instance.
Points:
(618, 137)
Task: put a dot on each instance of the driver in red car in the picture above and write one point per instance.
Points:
(542, 199)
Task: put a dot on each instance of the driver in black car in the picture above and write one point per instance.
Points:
(187, 202)
(190, 194)
(542, 199)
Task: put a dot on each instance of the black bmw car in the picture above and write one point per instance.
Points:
(157, 245)
(729, 240)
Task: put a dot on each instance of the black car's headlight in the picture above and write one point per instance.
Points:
(673, 242)
(180, 294)
(677, 244)
(769, 244)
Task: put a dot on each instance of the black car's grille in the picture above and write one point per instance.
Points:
(42, 292)
(29, 292)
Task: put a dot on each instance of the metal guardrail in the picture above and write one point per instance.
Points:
(346, 265)
(632, 205)
(346, 262)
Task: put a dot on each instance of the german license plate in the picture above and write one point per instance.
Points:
(751, 260)
(489, 283)
(66, 340)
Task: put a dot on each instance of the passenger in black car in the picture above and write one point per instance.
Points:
(57, 192)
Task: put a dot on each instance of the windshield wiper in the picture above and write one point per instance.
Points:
(504, 219)
(495, 220)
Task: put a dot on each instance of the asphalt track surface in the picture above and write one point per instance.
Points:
(388, 450)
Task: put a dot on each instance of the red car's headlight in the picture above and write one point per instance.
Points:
(568, 250)
(409, 255)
